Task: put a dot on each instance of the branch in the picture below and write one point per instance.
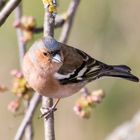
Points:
(49, 122)
(21, 45)
(8, 8)
(29, 132)
(49, 19)
(59, 21)
(128, 131)
(29, 127)
(28, 116)
(22, 50)
(68, 24)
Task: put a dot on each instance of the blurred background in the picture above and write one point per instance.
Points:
(107, 30)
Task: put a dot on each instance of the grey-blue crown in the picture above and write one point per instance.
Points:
(51, 44)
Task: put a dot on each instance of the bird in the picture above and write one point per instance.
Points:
(57, 70)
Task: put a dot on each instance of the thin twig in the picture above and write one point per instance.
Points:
(29, 127)
(59, 21)
(68, 24)
(29, 132)
(22, 50)
(21, 45)
(49, 121)
(28, 116)
(49, 19)
(7, 9)
(128, 131)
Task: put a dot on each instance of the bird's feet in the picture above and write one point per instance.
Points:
(46, 112)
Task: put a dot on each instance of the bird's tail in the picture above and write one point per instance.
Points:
(121, 71)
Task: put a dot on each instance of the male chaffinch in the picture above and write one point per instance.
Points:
(57, 70)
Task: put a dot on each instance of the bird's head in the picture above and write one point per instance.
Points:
(46, 54)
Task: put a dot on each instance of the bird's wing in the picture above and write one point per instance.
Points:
(77, 66)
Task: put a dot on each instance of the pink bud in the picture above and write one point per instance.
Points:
(13, 106)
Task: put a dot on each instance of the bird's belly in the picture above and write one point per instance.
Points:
(61, 92)
(68, 90)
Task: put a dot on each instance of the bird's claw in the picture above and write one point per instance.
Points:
(46, 112)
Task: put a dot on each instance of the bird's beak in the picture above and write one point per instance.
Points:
(57, 58)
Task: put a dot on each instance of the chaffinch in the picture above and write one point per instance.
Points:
(57, 70)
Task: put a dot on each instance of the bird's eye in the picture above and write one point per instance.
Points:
(44, 53)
